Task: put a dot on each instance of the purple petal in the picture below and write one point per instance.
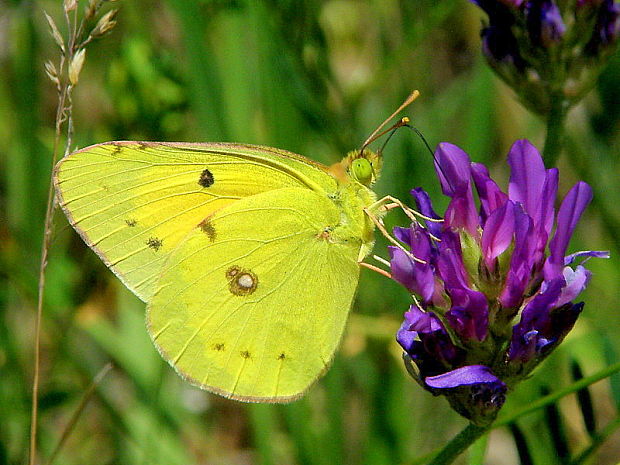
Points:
(464, 376)
(535, 319)
(470, 315)
(498, 233)
(461, 213)
(452, 166)
(420, 243)
(490, 195)
(423, 202)
(450, 264)
(527, 176)
(544, 216)
(585, 253)
(405, 336)
(536, 189)
(576, 282)
(402, 234)
(421, 249)
(452, 271)
(553, 27)
(521, 262)
(562, 321)
(416, 277)
(402, 269)
(422, 322)
(453, 169)
(548, 331)
(424, 339)
(569, 214)
(439, 352)
(471, 321)
(544, 22)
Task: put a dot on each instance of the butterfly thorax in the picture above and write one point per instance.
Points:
(355, 173)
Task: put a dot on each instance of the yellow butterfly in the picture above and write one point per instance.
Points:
(247, 256)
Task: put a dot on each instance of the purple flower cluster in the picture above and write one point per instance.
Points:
(607, 26)
(542, 46)
(493, 295)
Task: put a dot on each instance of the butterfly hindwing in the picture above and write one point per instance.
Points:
(252, 302)
(133, 202)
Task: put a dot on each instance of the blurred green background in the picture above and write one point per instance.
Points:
(312, 77)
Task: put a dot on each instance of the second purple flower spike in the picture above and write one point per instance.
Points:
(548, 49)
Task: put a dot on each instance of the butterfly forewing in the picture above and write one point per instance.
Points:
(133, 202)
(252, 303)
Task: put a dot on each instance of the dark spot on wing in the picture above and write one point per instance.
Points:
(131, 222)
(141, 146)
(232, 271)
(245, 354)
(282, 356)
(117, 149)
(154, 243)
(218, 346)
(241, 282)
(206, 178)
(207, 227)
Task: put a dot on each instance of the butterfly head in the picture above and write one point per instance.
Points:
(363, 166)
(359, 166)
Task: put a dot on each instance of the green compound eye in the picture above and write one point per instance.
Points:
(362, 171)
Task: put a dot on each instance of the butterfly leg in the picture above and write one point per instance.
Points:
(375, 268)
(381, 227)
(388, 203)
(375, 212)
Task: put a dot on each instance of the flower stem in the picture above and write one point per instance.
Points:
(555, 130)
(458, 445)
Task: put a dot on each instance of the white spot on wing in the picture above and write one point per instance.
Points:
(246, 281)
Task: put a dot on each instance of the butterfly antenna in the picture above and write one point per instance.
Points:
(404, 122)
(428, 147)
(377, 132)
(421, 136)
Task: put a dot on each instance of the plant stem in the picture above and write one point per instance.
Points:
(555, 130)
(47, 239)
(460, 442)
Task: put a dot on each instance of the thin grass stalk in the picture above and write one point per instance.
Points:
(78, 411)
(47, 238)
(65, 79)
(557, 395)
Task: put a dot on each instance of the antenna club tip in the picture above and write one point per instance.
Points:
(414, 95)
